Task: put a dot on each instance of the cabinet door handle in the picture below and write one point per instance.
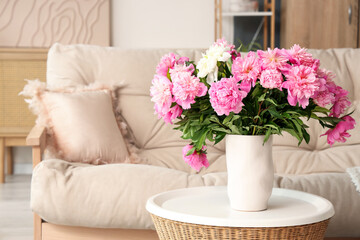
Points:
(350, 14)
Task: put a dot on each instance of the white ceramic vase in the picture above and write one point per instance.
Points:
(250, 172)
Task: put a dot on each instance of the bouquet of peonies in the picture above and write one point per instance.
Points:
(261, 93)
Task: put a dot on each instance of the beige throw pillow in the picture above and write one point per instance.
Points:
(81, 124)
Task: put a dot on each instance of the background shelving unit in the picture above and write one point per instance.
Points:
(269, 12)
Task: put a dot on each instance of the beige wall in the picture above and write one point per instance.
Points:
(162, 23)
(40, 23)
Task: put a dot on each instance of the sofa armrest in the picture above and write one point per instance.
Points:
(37, 139)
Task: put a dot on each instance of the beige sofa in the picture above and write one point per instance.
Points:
(82, 201)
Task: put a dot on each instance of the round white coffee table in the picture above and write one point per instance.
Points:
(205, 213)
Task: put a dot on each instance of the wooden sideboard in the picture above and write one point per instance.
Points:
(16, 120)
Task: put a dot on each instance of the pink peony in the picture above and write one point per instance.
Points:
(326, 80)
(245, 86)
(272, 59)
(299, 56)
(271, 78)
(330, 93)
(341, 102)
(225, 96)
(197, 160)
(186, 87)
(246, 69)
(324, 98)
(167, 62)
(172, 114)
(221, 42)
(302, 84)
(340, 131)
(180, 69)
(161, 94)
(327, 75)
(327, 88)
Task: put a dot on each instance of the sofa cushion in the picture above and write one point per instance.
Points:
(339, 190)
(82, 65)
(114, 196)
(104, 196)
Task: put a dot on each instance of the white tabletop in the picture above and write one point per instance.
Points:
(210, 206)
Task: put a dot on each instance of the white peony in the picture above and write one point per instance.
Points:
(220, 53)
(212, 76)
(207, 65)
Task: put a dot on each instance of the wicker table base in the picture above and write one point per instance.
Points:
(174, 230)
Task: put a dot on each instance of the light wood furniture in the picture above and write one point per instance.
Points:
(10, 137)
(205, 213)
(269, 11)
(15, 118)
(57, 232)
(320, 24)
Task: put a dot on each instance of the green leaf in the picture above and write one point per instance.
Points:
(262, 97)
(192, 130)
(201, 141)
(267, 135)
(234, 129)
(186, 135)
(210, 136)
(298, 127)
(296, 113)
(228, 118)
(306, 136)
(321, 109)
(228, 64)
(272, 101)
(191, 151)
(272, 125)
(286, 115)
(168, 74)
(274, 113)
(314, 116)
(236, 117)
(323, 124)
(213, 118)
(332, 120)
(256, 91)
(201, 118)
(220, 129)
(186, 127)
(219, 137)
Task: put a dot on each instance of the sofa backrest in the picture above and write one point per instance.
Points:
(158, 144)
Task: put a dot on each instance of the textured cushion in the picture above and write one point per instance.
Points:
(114, 196)
(84, 127)
(80, 122)
(158, 144)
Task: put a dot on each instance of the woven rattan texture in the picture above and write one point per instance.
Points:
(171, 230)
(14, 111)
